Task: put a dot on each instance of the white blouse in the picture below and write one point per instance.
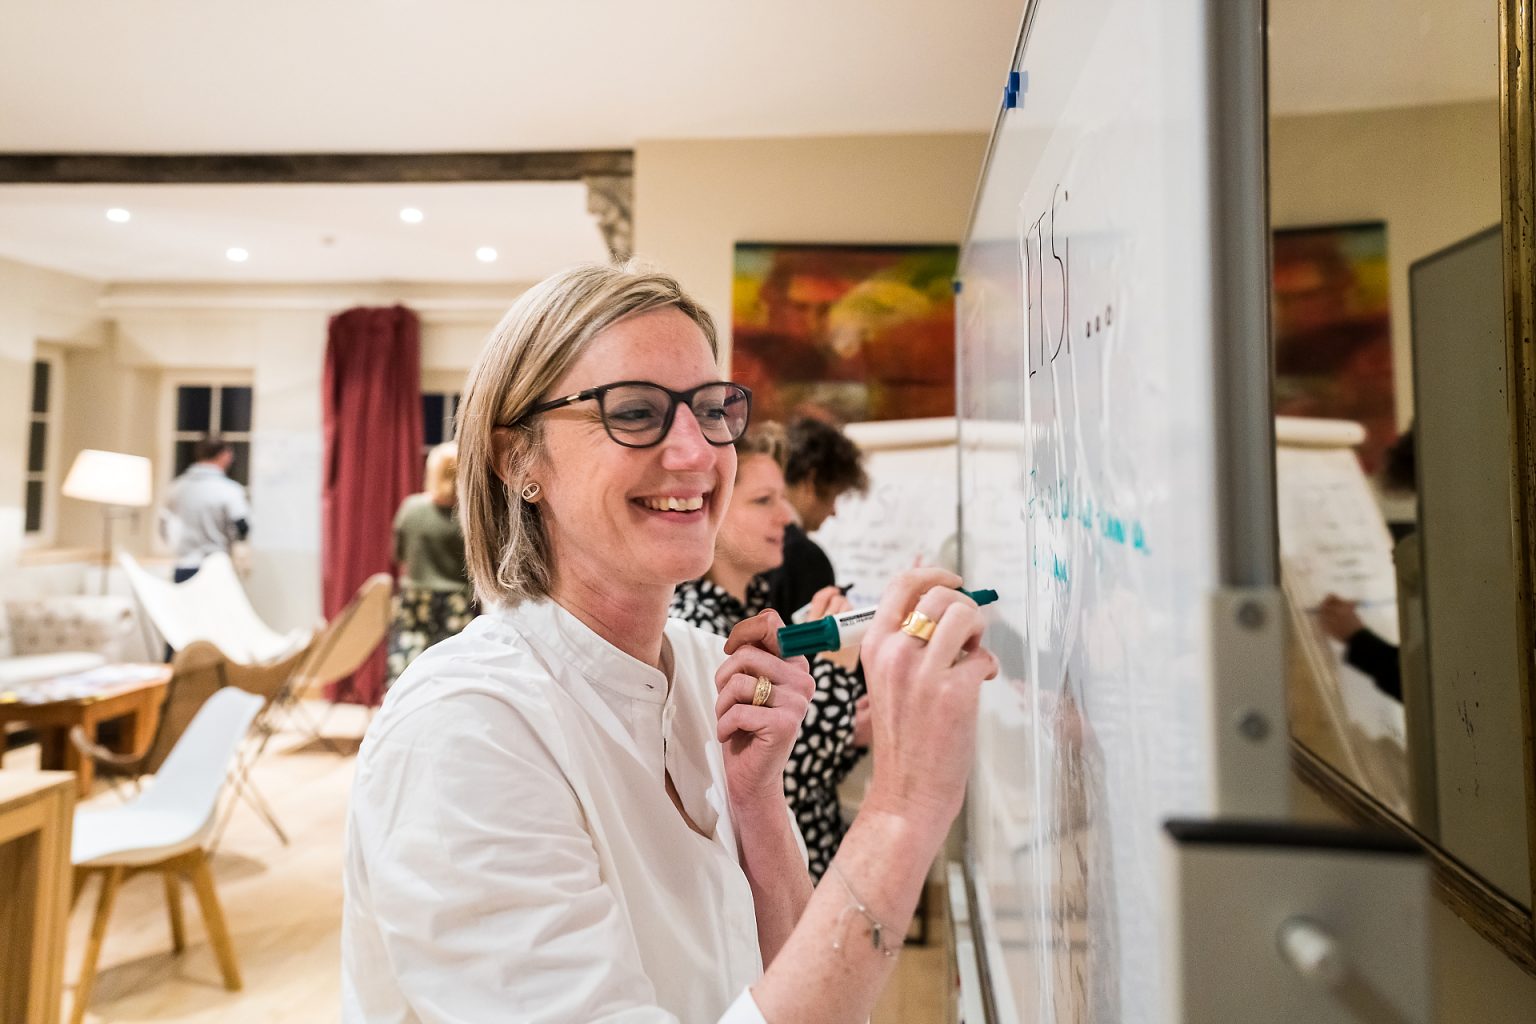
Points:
(512, 853)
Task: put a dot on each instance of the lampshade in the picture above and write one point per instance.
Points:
(111, 478)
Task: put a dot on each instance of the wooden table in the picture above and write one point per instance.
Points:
(36, 821)
(137, 702)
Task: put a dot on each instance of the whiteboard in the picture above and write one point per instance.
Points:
(906, 517)
(1116, 481)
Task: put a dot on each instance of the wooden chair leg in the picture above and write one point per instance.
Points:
(213, 917)
(173, 904)
(111, 879)
(77, 886)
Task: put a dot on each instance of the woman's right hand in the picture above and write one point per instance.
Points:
(923, 697)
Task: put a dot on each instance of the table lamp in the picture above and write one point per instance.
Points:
(113, 479)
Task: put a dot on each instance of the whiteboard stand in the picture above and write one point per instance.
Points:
(1251, 737)
(1284, 922)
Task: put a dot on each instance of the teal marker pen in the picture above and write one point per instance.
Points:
(836, 632)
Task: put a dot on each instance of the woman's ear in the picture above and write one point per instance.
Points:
(503, 454)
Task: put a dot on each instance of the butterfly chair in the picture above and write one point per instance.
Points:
(165, 829)
(210, 606)
(198, 671)
(343, 645)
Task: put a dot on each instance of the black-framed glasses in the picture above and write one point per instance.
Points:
(638, 414)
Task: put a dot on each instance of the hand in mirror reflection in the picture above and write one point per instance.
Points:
(1339, 618)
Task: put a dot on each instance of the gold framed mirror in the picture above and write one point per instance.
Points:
(1456, 768)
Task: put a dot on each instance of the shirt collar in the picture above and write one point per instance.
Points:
(567, 642)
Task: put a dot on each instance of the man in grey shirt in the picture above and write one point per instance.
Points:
(205, 511)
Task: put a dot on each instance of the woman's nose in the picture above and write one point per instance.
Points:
(684, 447)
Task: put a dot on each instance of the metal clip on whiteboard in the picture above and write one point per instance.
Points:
(1285, 922)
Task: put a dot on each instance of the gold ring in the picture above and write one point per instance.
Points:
(763, 692)
(918, 626)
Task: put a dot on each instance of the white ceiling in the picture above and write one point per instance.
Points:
(1330, 55)
(442, 75)
(165, 76)
(300, 232)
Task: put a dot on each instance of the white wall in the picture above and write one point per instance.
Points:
(695, 199)
(35, 305)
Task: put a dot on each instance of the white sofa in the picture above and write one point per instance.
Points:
(41, 638)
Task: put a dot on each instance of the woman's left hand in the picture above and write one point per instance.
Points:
(757, 740)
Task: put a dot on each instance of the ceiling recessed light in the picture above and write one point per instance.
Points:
(118, 215)
(236, 255)
(410, 215)
(485, 254)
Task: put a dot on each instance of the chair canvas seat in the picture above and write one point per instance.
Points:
(210, 606)
(132, 836)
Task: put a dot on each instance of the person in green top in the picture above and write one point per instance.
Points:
(435, 599)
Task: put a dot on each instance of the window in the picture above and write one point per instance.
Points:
(221, 410)
(42, 439)
(439, 409)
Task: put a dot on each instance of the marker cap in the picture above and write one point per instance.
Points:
(809, 638)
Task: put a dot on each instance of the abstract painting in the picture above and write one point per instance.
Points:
(1333, 330)
(845, 332)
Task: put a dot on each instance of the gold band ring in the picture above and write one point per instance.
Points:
(919, 626)
(763, 692)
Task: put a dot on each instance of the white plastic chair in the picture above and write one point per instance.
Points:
(164, 830)
(210, 606)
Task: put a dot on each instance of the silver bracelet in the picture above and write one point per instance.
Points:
(876, 929)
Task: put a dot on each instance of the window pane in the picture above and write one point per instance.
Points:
(235, 411)
(37, 448)
(34, 505)
(241, 469)
(40, 372)
(183, 455)
(432, 418)
(194, 409)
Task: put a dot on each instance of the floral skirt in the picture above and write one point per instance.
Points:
(422, 618)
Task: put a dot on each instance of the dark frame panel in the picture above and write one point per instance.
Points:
(309, 168)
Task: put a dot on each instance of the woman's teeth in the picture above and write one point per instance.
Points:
(674, 504)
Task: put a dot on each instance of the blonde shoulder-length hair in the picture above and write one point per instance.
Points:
(542, 335)
(442, 473)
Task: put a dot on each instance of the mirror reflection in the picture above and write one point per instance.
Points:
(1393, 465)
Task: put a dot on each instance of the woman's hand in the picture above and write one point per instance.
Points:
(832, 601)
(1339, 618)
(923, 697)
(757, 740)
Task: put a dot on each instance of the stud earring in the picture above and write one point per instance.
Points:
(530, 492)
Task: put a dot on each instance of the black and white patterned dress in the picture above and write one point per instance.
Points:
(824, 753)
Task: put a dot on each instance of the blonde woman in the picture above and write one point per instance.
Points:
(574, 811)
(835, 732)
(435, 600)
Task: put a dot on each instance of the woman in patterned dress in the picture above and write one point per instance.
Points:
(435, 600)
(751, 541)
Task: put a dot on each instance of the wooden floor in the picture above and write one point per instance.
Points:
(283, 905)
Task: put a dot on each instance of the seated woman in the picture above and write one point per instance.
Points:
(574, 810)
(435, 600)
(751, 542)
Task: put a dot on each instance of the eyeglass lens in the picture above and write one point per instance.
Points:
(639, 413)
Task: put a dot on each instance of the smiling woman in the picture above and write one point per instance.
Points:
(574, 810)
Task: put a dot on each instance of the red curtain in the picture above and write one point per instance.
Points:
(373, 442)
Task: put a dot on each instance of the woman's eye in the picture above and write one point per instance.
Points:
(710, 413)
(633, 414)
